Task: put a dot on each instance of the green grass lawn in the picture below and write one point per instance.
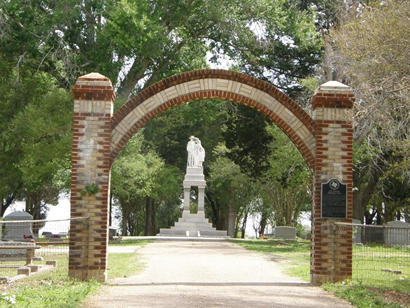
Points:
(54, 288)
(129, 242)
(371, 286)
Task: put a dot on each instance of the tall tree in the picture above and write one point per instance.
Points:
(141, 185)
(138, 42)
(36, 141)
(286, 186)
(133, 175)
(248, 141)
(371, 50)
(231, 191)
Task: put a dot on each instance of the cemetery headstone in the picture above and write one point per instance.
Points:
(18, 231)
(285, 232)
(373, 234)
(112, 231)
(357, 231)
(397, 233)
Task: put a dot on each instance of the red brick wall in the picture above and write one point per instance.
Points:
(93, 100)
(331, 254)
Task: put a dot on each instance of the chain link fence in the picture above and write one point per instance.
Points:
(381, 254)
(28, 246)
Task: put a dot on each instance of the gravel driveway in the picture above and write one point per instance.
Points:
(209, 274)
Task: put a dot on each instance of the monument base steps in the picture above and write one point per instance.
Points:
(192, 225)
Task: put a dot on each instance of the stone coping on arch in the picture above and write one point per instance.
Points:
(222, 84)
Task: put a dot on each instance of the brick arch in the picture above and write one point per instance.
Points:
(221, 84)
(325, 140)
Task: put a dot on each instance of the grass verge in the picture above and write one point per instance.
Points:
(55, 289)
(364, 291)
(130, 242)
(123, 265)
(364, 296)
(47, 289)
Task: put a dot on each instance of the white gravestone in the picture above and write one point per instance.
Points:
(357, 231)
(18, 231)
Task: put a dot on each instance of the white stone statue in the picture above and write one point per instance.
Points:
(196, 153)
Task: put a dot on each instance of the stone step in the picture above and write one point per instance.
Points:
(192, 225)
(214, 233)
(192, 230)
(200, 214)
(182, 230)
(192, 233)
(193, 219)
(170, 232)
(200, 222)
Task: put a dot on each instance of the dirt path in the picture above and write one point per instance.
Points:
(209, 274)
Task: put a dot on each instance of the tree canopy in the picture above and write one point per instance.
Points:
(252, 167)
(371, 54)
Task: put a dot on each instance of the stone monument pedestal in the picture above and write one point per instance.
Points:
(193, 225)
(194, 177)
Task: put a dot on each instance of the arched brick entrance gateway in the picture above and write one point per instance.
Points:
(325, 141)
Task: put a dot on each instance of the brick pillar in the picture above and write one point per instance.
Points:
(331, 252)
(90, 177)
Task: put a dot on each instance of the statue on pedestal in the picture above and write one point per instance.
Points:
(196, 153)
(193, 224)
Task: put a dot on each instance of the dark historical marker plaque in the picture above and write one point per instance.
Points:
(334, 199)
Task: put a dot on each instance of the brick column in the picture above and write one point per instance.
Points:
(331, 252)
(90, 177)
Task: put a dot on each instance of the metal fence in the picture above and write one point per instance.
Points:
(381, 254)
(28, 246)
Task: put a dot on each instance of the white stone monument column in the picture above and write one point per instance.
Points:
(201, 197)
(187, 196)
(193, 225)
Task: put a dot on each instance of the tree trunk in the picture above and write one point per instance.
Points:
(362, 196)
(231, 221)
(33, 207)
(150, 225)
(124, 220)
(5, 203)
(110, 217)
(135, 73)
(243, 228)
(215, 210)
(262, 224)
